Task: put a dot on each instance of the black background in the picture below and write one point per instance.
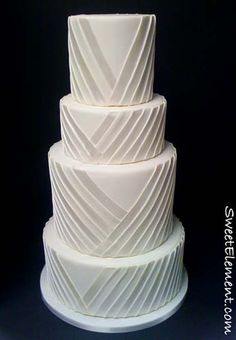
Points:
(194, 71)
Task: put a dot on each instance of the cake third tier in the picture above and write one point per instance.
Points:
(113, 210)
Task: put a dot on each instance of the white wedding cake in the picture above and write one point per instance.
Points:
(113, 249)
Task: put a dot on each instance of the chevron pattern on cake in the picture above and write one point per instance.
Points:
(113, 248)
(122, 290)
(88, 220)
(133, 134)
(98, 75)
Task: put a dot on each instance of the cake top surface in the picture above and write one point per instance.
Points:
(68, 99)
(111, 16)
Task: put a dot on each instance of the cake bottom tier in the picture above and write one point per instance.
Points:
(114, 287)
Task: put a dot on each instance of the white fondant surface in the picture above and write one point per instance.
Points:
(113, 210)
(111, 58)
(113, 135)
(114, 287)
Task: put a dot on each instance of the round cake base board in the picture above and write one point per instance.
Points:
(109, 325)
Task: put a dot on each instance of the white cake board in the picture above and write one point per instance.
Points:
(109, 325)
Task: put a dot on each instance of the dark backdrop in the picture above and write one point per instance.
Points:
(194, 70)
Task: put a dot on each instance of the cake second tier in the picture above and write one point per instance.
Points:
(113, 135)
(113, 210)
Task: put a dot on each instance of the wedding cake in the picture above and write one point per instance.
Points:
(113, 249)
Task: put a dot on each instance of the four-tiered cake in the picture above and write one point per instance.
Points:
(113, 250)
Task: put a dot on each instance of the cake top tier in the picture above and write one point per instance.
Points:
(111, 58)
